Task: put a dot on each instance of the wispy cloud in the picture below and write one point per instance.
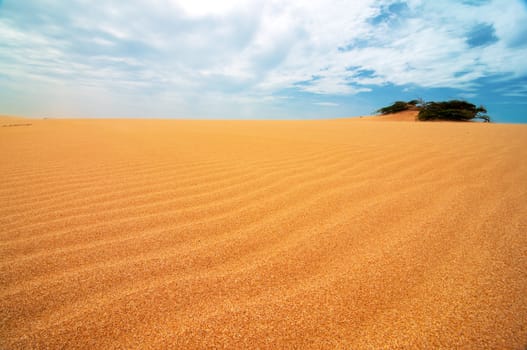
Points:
(179, 53)
(326, 104)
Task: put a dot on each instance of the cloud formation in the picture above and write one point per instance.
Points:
(225, 53)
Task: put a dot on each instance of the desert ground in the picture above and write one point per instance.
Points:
(338, 234)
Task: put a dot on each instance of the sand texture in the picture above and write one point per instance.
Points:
(404, 116)
(345, 234)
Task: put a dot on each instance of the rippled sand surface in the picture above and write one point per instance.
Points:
(348, 234)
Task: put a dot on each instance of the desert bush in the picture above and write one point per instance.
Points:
(454, 110)
(397, 106)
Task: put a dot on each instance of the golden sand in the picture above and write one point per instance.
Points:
(348, 234)
(404, 116)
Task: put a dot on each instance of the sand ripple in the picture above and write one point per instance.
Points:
(263, 234)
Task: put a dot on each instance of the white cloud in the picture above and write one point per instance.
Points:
(204, 8)
(326, 104)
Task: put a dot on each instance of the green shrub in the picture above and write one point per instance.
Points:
(398, 106)
(453, 110)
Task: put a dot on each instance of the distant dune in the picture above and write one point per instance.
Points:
(263, 234)
(404, 116)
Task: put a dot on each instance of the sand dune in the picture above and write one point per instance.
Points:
(263, 234)
(404, 116)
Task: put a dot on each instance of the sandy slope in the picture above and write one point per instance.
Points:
(404, 116)
(270, 234)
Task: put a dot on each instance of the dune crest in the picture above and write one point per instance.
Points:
(404, 116)
(263, 234)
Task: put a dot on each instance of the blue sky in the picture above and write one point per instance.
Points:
(259, 59)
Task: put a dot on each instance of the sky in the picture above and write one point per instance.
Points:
(235, 59)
